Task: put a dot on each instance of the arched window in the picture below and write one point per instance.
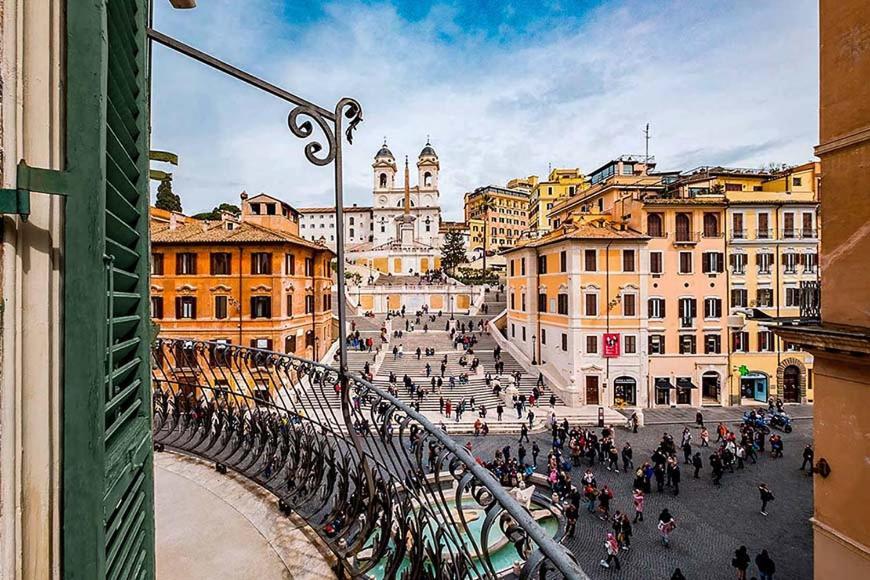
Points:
(654, 225)
(351, 221)
(383, 180)
(711, 225)
(684, 228)
(427, 179)
(401, 202)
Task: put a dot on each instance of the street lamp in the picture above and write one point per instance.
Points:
(534, 360)
(450, 299)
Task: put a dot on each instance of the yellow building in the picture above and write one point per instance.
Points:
(772, 244)
(496, 216)
(559, 184)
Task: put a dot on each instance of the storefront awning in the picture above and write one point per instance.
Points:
(685, 384)
(664, 384)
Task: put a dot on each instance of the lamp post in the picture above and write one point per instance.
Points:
(534, 360)
(450, 299)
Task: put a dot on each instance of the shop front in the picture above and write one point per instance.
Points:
(625, 392)
(755, 385)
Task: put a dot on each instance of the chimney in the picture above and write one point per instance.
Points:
(173, 221)
(244, 197)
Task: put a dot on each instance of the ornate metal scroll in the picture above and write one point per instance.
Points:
(428, 510)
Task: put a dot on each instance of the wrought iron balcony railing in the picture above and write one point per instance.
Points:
(391, 494)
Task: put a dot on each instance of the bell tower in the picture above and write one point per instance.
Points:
(427, 168)
(384, 169)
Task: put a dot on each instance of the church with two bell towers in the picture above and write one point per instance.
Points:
(389, 197)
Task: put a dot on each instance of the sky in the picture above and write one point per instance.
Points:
(503, 89)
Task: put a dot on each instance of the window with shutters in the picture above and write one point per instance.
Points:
(712, 262)
(156, 264)
(685, 262)
(738, 264)
(513, 301)
(290, 264)
(687, 344)
(629, 304)
(309, 267)
(564, 342)
(630, 344)
(592, 344)
(289, 301)
(764, 261)
(562, 304)
(327, 302)
(543, 336)
(185, 307)
(522, 266)
(523, 330)
(218, 353)
(656, 265)
(739, 298)
(522, 301)
(764, 297)
(788, 230)
(711, 225)
(591, 304)
(542, 264)
(684, 227)
(542, 302)
(157, 307)
(712, 308)
(656, 308)
(764, 232)
(688, 312)
(513, 267)
(563, 261)
(789, 262)
(185, 264)
(261, 307)
(810, 262)
(792, 297)
(261, 263)
(590, 260)
(309, 304)
(221, 264)
(737, 231)
(765, 341)
(656, 344)
(712, 344)
(220, 307)
(628, 260)
(740, 341)
(807, 229)
(654, 225)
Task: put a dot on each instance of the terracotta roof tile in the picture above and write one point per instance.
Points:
(216, 232)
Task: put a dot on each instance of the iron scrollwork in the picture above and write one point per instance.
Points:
(407, 502)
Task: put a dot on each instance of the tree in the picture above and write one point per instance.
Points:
(166, 199)
(215, 214)
(453, 251)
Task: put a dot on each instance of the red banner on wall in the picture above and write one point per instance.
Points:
(611, 345)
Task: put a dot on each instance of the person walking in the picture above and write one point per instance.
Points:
(638, 500)
(627, 455)
(571, 516)
(535, 451)
(766, 566)
(524, 433)
(678, 575)
(808, 457)
(766, 496)
(697, 463)
(675, 477)
(499, 410)
(666, 526)
(740, 562)
(612, 547)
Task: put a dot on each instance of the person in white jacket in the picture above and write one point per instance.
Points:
(612, 547)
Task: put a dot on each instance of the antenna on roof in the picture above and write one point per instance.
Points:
(646, 138)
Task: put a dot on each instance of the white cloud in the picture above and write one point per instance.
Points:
(735, 85)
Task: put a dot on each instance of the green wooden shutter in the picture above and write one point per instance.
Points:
(108, 512)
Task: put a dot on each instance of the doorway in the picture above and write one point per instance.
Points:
(591, 389)
(684, 391)
(710, 387)
(791, 384)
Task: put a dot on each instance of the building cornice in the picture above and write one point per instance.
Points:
(848, 140)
